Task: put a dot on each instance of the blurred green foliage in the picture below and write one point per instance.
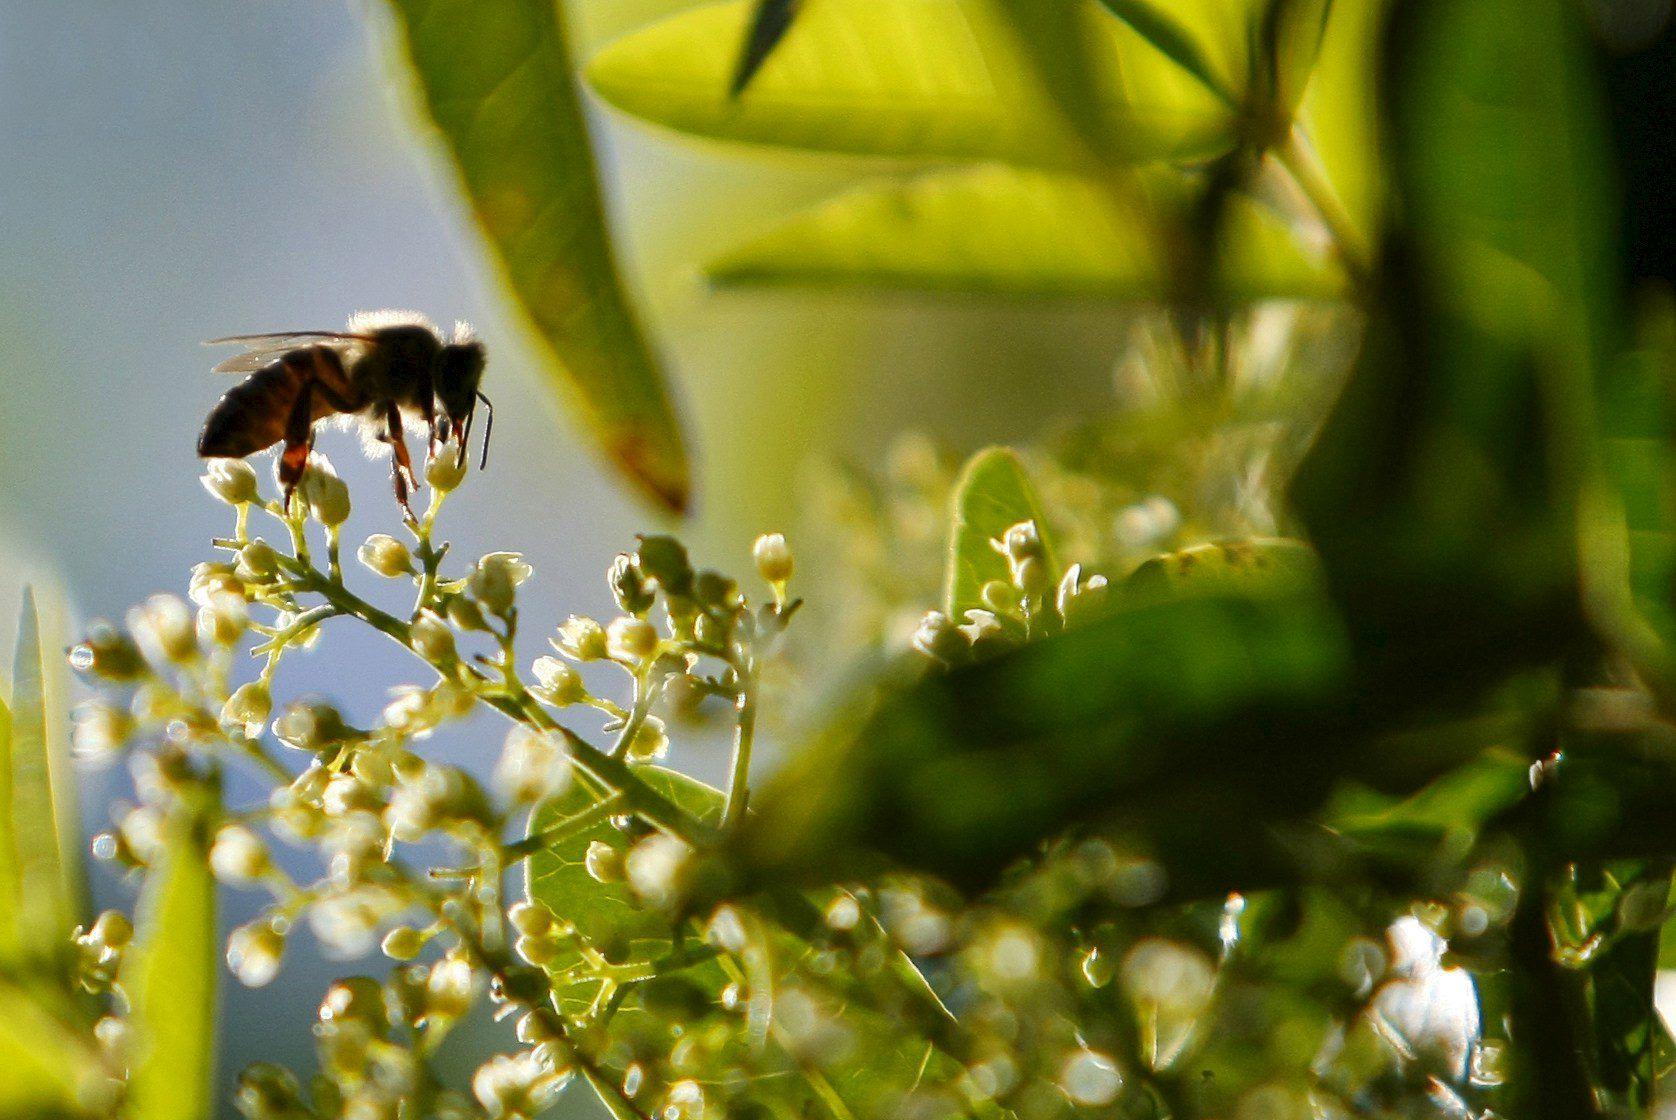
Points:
(1294, 740)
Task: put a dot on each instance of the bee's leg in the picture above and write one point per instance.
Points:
(401, 465)
(299, 438)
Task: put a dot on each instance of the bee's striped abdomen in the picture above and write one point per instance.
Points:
(251, 415)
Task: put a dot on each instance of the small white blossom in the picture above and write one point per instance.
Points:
(384, 555)
(164, 627)
(773, 558)
(631, 639)
(254, 952)
(532, 767)
(238, 856)
(581, 639)
(248, 708)
(326, 495)
(230, 480)
(494, 582)
(432, 639)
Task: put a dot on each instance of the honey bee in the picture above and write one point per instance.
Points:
(385, 371)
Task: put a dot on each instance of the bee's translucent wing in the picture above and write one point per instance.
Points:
(261, 349)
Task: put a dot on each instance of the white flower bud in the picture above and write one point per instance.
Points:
(222, 620)
(432, 639)
(231, 480)
(248, 708)
(238, 855)
(445, 470)
(1076, 597)
(657, 870)
(532, 767)
(494, 582)
(603, 862)
(210, 580)
(773, 558)
(254, 952)
(940, 639)
(386, 556)
(112, 929)
(581, 639)
(164, 627)
(257, 562)
(403, 943)
(558, 683)
(530, 919)
(631, 639)
(465, 614)
(1020, 542)
(516, 1084)
(100, 732)
(650, 742)
(450, 988)
(327, 495)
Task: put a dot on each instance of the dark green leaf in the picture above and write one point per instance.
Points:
(1193, 722)
(496, 78)
(1444, 492)
(170, 975)
(769, 23)
(992, 495)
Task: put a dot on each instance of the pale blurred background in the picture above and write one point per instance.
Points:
(170, 172)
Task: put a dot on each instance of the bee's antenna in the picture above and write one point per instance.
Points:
(488, 429)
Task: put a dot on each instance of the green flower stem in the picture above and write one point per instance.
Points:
(638, 712)
(607, 806)
(739, 773)
(515, 702)
(1301, 164)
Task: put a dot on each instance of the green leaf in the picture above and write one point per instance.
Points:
(1181, 43)
(1015, 232)
(929, 79)
(770, 21)
(1339, 112)
(1261, 565)
(170, 976)
(992, 495)
(606, 915)
(496, 79)
(36, 877)
(11, 874)
(1444, 491)
(48, 1070)
(1190, 724)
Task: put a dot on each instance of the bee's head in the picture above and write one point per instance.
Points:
(459, 373)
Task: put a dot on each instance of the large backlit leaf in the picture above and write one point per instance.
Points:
(496, 78)
(11, 878)
(1014, 232)
(170, 976)
(934, 79)
(35, 875)
(992, 495)
(606, 915)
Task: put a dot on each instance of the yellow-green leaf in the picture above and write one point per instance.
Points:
(1261, 565)
(170, 977)
(36, 876)
(495, 76)
(606, 915)
(1017, 232)
(45, 1069)
(933, 79)
(993, 494)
